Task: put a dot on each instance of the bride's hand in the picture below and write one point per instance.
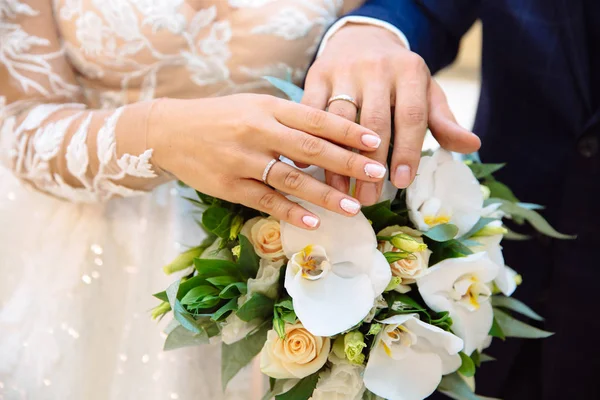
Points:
(221, 147)
(372, 65)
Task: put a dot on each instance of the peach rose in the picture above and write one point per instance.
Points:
(265, 236)
(296, 356)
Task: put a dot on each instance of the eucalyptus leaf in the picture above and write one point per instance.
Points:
(467, 367)
(482, 223)
(293, 92)
(275, 389)
(181, 337)
(515, 305)
(512, 235)
(303, 389)
(442, 233)
(179, 312)
(484, 170)
(500, 190)
(514, 328)
(531, 206)
(456, 388)
(257, 306)
(237, 355)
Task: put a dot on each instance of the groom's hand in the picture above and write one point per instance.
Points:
(372, 65)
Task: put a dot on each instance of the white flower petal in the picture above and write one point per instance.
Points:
(438, 337)
(332, 304)
(506, 280)
(473, 326)
(414, 377)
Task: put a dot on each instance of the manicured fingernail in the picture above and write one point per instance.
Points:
(375, 170)
(368, 193)
(310, 221)
(371, 141)
(402, 176)
(350, 206)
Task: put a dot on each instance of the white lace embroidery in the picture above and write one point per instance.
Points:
(35, 152)
(116, 43)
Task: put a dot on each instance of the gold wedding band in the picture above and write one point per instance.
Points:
(267, 170)
(343, 97)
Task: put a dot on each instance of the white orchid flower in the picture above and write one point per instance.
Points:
(505, 281)
(409, 358)
(444, 191)
(461, 287)
(334, 273)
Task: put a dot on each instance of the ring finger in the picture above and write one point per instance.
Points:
(347, 110)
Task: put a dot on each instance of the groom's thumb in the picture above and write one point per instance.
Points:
(442, 123)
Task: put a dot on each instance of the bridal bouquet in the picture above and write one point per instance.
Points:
(396, 302)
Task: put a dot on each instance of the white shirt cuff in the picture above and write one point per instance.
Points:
(361, 20)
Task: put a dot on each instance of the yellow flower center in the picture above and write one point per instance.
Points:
(314, 264)
(433, 220)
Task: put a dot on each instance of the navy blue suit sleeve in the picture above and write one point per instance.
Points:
(433, 27)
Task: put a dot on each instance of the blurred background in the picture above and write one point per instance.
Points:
(461, 81)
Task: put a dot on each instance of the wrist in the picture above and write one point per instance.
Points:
(159, 123)
(356, 29)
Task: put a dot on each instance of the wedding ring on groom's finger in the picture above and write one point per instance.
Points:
(343, 97)
(265, 174)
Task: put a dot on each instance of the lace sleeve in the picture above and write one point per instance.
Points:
(48, 136)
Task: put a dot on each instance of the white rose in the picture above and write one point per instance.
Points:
(298, 355)
(267, 279)
(409, 269)
(234, 329)
(343, 381)
(265, 236)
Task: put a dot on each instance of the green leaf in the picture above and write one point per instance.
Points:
(222, 281)
(496, 330)
(293, 92)
(208, 268)
(484, 170)
(381, 216)
(445, 250)
(184, 260)
(478, 226)
(500, 190)
(206, 199)
(189, 284)
(512, 235)
(515, 305)
(204, 303)
(237, 355)
(531, 206)
(276, 387)
(476, 358)
(289, 317)
(257, 306)
(224, 311)
(467, 368)
(442, 233)
(303, 389)
(196, 294)
(181, 337)
(514, 328)
(534, 218)
(218, 221)
(287, 304)
(161, 296)
(233, 290)
(248, 260)
(456, 388)
(485, 358)
(179, 312)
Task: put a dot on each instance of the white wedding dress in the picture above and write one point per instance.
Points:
(77, 272)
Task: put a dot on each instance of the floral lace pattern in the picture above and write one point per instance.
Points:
(125, 51)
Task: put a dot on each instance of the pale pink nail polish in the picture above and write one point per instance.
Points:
(371, 141)
(402, 176)
(310, 221)
(375, 170)
(350, 206)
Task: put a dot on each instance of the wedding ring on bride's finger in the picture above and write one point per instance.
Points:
(265, 174)
(343, 97)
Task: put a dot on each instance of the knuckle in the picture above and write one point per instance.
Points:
(377, 121)
(351, 161)
(268, 201)
(315, 119)
(377, 61)
(293, 180)
(289, 212)
(414, 115)
(415, 62)
(327, 196)
(313, 147)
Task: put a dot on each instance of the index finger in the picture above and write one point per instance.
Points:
(327, 126)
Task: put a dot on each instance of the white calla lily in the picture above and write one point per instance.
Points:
(461, 287)
(505, 281)
(334, 273)
(444, 191)
(409, 358)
